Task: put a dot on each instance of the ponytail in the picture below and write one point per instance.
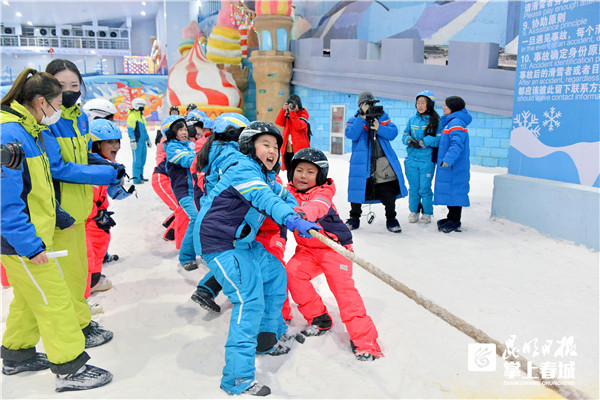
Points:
(31, 84)
(202, 157)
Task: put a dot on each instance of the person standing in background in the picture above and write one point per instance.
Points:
(294, 120)
(138, 134)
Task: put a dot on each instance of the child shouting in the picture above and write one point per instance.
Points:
(314, 192)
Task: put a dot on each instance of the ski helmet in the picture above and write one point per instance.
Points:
(313, 156)
(99, 108)
(173, 108)
(102, 129)
(428, 94)
(198, 113)
(230, 119)
(252, 131)
(191, 107)
(138, 103)
(168, 122)
(208, 123)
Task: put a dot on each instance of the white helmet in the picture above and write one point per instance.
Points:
(99, 108)
(138, 103)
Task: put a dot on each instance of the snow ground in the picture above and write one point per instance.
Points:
(502, 277)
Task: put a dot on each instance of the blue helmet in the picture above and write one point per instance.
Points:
(230, 119)
(170, 120)
(103, 129)
(208, 123)
(197, 113)
(428, 94)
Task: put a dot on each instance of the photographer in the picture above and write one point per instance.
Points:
(375, 172)
(294, 120)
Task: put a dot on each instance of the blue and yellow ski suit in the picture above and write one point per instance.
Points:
(136, 128)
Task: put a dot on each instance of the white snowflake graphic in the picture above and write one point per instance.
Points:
(528, 121)
(552, 119)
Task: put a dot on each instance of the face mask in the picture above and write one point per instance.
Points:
(69, 98)
(51, 120)
(141, 109)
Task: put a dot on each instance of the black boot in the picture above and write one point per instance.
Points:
(38, 362)
(205, 300)
(318, 326)
(353, 223)
(88, 377)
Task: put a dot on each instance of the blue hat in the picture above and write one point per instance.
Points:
(170, 120)
(103, 129)
(427, 93)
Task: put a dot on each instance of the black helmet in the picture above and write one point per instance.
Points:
(173, 108)
(191, 106)
(254, 130)
(314, 156)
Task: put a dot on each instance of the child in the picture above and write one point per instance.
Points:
(252, 278)
(314, 192)
(136, 128)
(180, 154)
(421, 135)
(106, 141)
(453, 174)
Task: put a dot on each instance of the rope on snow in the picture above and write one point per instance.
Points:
(478, 335)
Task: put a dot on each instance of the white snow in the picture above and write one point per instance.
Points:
(503, 277)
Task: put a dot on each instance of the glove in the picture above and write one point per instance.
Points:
(300, 213)
(413, 143)
(148, 143)
(297, 224)
(104, 220)
(133, 144)
(421, 144)
(118, 192)
(445, 164)
(120, 171)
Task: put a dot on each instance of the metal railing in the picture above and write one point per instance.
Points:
(64, 42)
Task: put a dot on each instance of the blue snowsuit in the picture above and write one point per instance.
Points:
(360, 160)
(418, 165)
(252, 278)
(136, 128)
(180, 156)
(452, 183)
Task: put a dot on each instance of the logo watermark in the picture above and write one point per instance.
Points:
(482, 357)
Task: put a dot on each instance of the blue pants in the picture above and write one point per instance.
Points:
(187, 252)
(139, 160)
(419, 175)
(255, 282)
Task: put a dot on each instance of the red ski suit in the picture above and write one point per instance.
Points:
(97, 240)
(296, 128)
(313, 258)
(162, 186)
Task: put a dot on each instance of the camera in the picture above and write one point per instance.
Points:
(373, 112)
(12, 155)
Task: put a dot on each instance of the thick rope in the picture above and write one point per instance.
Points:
(460, 324)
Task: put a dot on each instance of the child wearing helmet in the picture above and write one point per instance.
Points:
(314, 191)
(421, 136)
(100, 109)
(252, 278)
(136, 128)
(106, 142)
(173, 110)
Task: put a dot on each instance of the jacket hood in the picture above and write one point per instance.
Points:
(463, 115)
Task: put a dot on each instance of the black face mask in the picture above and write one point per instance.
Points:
(141, 109)
(69, 98)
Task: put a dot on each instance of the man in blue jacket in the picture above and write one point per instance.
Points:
(375, 172)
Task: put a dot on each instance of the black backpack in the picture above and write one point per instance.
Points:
(308, 131)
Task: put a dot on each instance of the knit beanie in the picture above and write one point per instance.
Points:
(364, 97)
(455, 103)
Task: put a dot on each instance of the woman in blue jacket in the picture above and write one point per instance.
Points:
(375, 172)
(453, 173)
(253, 279)
(421, 136)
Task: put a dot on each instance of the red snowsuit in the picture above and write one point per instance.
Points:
(294, 126)
(97, 240)
(162, 186)
(313, 258)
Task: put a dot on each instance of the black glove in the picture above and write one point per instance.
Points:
(413, 143)
(120, 171)
(104, 220)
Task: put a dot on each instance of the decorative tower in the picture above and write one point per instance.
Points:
(272, 63)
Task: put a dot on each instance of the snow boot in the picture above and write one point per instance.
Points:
(110, 257)
(425, 219)
(266, 343)
(205, 300)
(393, 225)
(318, 326)
(353, 223)
(298, 337)
(441, 223)
(190, 265)
(258, 390)
(413, 217)
(36, 363)
(96, 336)
(450, 226)
(88, 377)
(103, 284)
(95, 307)
(278, 350)
(365, 355)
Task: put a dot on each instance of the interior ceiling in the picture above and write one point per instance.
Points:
(110, 13)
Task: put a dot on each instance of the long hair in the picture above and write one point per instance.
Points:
(231, 134)
(434, 118)
(31, 84)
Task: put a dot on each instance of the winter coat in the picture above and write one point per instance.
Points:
(136, 126)
(161, 157)
(360, 160)
(29, 212)
(234, 209)
(67, 144)
(317, 204)
(415, 128)
(296, 128)
(179, 158)
(452, 183)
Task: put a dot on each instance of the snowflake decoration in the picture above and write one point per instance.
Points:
(552, 119)
(528, 121)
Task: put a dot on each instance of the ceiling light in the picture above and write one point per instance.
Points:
(143, 13)
(6, 3)
(19, 14)
(143, 3)
(29, 23)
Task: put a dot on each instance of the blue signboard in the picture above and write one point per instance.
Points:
(556, 114)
